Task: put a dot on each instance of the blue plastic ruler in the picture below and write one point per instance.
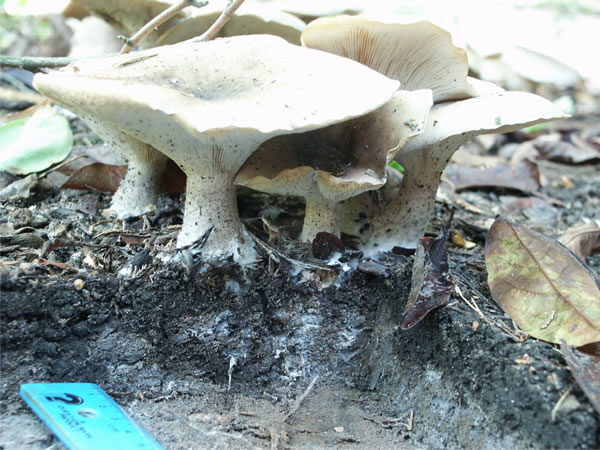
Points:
(84, 417)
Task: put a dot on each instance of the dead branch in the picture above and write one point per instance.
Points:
(32, 63)
(232, 6)
(167, 14)
(300, 399)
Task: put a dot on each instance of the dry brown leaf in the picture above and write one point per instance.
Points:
(586, 371)
(431, 284)
(96, 176)
(106, 178)
(542, 286)
(552, 147)
(583, 240)
(524, 176)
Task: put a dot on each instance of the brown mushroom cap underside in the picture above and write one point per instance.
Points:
(248, 19)
(420, 55)
(339, 161)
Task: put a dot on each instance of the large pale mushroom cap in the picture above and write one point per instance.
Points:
(420, 55)
(499, 112)
(248, 19)
(254, 84)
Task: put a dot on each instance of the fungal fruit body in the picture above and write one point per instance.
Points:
(210, 105)
(329, 165)
(424, 57)
(402, 222)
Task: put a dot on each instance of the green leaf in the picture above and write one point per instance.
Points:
(541, 285)
(394, 165)
(34, 144)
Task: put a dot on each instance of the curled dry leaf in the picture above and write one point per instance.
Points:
(585, 370)
(107, 177)
(523, 176)
(583, 240)
(431, 281)
(542, 286)
(97, 176)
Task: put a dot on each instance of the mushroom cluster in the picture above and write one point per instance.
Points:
(422, 55)
(208, 106)
(321, 121)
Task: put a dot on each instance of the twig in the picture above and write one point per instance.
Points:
(300, 399)
(32, 63)
(232, 6)
(277, 255)
(559, 403)
(167, 14)
(473, 305)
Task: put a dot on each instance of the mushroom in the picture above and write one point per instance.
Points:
(449, 125)
(423, 56)
(248, 19)
(329, 165)
(419, 55)
(210, 105)
(139, 190)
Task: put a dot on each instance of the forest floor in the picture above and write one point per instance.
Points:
(276, 356)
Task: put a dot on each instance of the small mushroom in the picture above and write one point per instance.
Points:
(248, 19)
(210, 105)
(402, 222)
(419, 55)
(329, 165)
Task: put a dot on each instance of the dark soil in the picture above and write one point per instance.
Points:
(271, 357)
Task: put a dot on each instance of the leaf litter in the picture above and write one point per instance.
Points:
(547, 291)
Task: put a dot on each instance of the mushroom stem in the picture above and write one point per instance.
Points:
(403, 221)
(211, 202)
(138, 191)
(321, 214)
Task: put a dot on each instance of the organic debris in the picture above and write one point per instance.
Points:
(586, 371)
(547, 291)
(431, 281)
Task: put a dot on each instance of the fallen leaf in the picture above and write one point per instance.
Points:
(541, 285)
(524, 176)
(107, 177)
(19, 188)
(583, 240)
(586, 371)
(534, 209)
(554, 148)
(96, 176)
(431, 284)
(33, 144)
